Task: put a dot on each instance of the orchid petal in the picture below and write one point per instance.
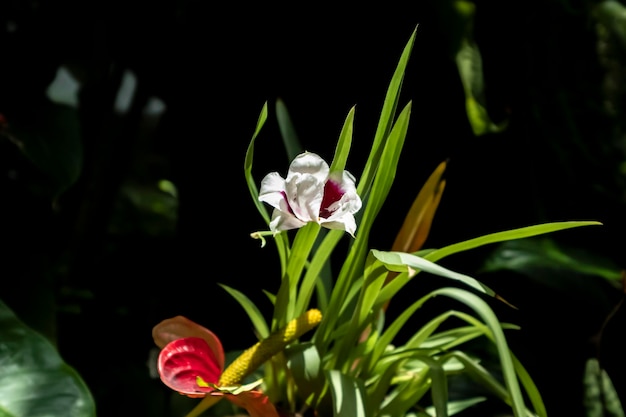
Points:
(282, 220)
(339, 213)
(309, 163)
(305, 185)
(180, 327)
(183, 361)
(273, 191)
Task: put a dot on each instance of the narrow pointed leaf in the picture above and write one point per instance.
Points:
(418, 220)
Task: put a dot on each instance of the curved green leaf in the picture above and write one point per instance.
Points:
(35, 381)
(287, 131)
(401, 261)
(348, 395)
(513, 234)
(255, 315)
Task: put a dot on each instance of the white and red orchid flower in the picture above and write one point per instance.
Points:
(311, 193)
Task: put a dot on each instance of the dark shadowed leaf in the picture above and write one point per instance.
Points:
(52, 141)
(35, 381)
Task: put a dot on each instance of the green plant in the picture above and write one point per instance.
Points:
(352, 363)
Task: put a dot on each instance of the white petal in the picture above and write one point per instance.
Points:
(346, 223)
(305, 185)
(272, 190)
(342, 216)
(309, 163)
(350, 201)
(282, 220)
(305, 194)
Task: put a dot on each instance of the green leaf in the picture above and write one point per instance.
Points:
(348, 395)
(285, 307)
(400, 262)
(352, 267)
(251, 309)
(343, 144)
(529, 255)
(305, 365)
(612, 15)
(385, 121)
(53, 143)
(287, 131)
(506, 360)
(456, 406)
(254, 192)
(600, 398)
(280, 239)
(470, 65)
(35, 381)
(520, 233)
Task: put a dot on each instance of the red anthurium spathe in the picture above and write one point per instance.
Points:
(182, 361)
(191, 362)
(311, 193)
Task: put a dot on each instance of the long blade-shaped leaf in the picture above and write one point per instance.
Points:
(520, 233)
(418, 220)
(386, 119)
(257, 319)
(254, 192)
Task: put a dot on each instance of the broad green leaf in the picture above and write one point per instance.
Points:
(529, 255)
(305, 366)
(400, 261)
(35, 381)
(255, 315)
(348, 395)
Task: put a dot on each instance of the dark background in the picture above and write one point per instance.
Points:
(93, 270)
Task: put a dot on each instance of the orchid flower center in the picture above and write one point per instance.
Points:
(332, 194)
